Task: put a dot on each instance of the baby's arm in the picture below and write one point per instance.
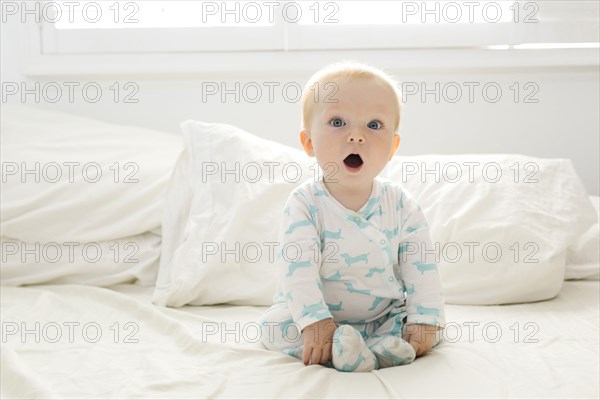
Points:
(298, 269)
(421, 278)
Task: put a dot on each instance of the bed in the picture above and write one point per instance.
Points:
(140, 314)
(547, 349)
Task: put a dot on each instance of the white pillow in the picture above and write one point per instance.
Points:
(210, 211)
(503, 223)
(135, 165)
(583, 257)
(216, 212)
(128, 260)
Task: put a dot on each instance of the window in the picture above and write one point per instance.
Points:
(191, 36)
(208, 26)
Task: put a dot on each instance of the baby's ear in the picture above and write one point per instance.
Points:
(306, 142)
(395, 145)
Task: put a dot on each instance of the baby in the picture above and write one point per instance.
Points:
(356, 290)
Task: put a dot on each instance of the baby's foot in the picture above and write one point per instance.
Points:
(350, 352)
(295, 352)
(392, 350)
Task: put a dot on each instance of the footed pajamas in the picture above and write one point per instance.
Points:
(372, 271)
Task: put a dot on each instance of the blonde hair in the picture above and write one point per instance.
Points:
(341, 71)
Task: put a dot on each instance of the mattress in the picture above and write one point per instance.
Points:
(74, 341)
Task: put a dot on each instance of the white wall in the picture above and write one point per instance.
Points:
(10, 60)
(563, 124)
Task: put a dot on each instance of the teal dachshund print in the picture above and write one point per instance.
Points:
(352, 367)
(425, 267)
(415, 228)
(351, 289)
(351, 260)
(404, 247)
(400, 204)
(319, 192)
(286, 322)
(298, 224)
(427, 311)
(335, 307)
(335, 277)
(390, 233)
(358, 221)
(297, 264)
(313, 212)
(372, 271)
(308, 309)
(376, 303)
(370, 205)
(358, 322)
(332, 235)
(376, 213)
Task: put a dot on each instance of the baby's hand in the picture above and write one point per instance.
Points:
(421, 337)
(318, 338)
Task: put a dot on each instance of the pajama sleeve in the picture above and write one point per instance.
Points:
(299, 261)
(418, 267)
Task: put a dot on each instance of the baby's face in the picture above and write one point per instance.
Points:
(353, 138)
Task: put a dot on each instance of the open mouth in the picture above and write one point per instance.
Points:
(353, 161)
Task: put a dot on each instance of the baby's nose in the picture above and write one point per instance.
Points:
(355, 137)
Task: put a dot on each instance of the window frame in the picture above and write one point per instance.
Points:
(286, 47)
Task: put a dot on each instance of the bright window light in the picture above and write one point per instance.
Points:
(125, 14)
(529, 46)
(160, 14)
(405, 12)
(557, 46)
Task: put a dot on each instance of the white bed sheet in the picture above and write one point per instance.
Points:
(172, 359)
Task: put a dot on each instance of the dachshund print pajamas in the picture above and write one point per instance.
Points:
(372, 271)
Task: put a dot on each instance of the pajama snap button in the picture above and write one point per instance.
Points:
(382, 241)
(391, 279)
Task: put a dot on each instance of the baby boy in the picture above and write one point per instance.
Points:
(357, 288)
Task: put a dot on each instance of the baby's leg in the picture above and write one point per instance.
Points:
(350, 352)
(388, 346)
(279, 332)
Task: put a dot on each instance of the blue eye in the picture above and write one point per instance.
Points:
(374, 125)
(337, 122)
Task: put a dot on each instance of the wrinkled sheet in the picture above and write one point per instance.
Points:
(113, 343)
